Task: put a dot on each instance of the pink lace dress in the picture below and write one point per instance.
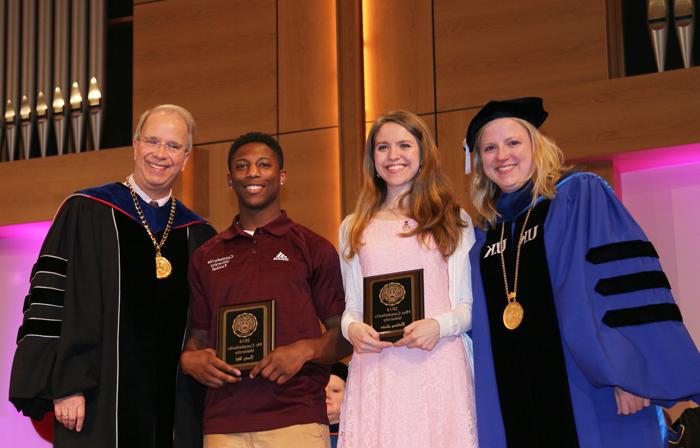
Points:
(401, 397)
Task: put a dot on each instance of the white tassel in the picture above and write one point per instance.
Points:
(467, 157)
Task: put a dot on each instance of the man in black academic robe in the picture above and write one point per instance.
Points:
(105, 317)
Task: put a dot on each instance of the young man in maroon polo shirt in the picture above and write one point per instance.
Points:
(264, 255)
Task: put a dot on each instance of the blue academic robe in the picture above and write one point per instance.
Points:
(618, 323)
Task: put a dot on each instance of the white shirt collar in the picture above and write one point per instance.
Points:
(142, 194)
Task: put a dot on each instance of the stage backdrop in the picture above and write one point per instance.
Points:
(19, 247)
(662, 189)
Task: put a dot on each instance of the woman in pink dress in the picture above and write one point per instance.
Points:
(418, 391)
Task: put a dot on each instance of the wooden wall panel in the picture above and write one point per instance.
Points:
(35, 188)
(217, 58)
(602, 118)
(351, 99)
(398, 56)
(195, 180)
(509, 48)
(61, 176)
(312, 193)
(211, 185)
(603, 168)
(308, 89)
(451, 129)
(595, 120)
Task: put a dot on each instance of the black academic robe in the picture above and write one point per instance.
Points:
(99, 322)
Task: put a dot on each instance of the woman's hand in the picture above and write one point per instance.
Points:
(365, 339)
(628, 403)
(423, 334)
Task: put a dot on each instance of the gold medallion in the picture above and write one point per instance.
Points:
(392, 294)
(514, 312)
(513, 315)
(244, 325)
(163, 267)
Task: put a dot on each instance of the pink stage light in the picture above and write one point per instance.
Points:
(650, 159)
(660, 188)
(657, 158)
(30, 230)
(19, 248)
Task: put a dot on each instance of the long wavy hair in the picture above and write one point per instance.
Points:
(429, 200)
(549, 167)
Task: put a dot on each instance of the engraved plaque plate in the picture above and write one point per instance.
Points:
(392, 301)
(246, 333)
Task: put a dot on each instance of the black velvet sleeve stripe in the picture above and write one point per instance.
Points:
(48, 296)
(51, 264)
(38, 327)
(632, 282)
(642, 315)
(621, 251)
(25, 306)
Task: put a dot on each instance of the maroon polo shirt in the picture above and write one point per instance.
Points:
(301, 271)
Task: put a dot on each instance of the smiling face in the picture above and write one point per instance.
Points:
(396, 157)
(506, 152)
(255, 176)
(335, 390)
(156, 167)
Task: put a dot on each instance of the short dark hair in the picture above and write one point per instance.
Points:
(256, 137)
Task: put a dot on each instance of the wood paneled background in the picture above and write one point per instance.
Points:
(291, 68)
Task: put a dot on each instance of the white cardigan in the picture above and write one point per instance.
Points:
(454, 322)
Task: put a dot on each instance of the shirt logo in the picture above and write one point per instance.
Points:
(281, 257)
(500, 246)
(529, 235)
(495, 248)
(219, 263)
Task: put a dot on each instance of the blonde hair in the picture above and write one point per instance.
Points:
(170, 108)
(430, 200)
(548, 161)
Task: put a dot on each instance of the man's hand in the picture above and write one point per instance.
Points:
(628, 403)
(365, 339)
(283, 362)
(70, 411)
(423, 334)
(205, 367)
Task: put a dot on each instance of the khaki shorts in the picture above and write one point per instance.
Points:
(310, 435)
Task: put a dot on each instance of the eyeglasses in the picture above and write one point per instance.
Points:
(155, 143)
